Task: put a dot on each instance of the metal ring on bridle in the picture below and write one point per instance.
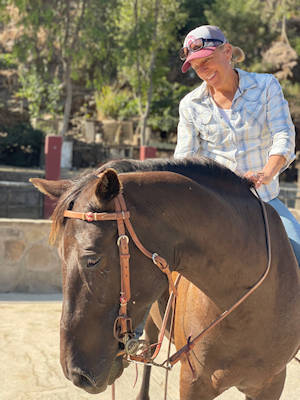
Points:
(122, 237)
(154, 255)
(131, 346)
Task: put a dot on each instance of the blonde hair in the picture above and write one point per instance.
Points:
(238, 54)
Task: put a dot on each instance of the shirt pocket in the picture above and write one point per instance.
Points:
(254, 117)
(208, 129)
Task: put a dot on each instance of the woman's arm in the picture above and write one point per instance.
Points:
(280, 124)
(272, 168)
(282, 130)
(187, 136)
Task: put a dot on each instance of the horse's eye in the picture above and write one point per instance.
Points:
(93, 263)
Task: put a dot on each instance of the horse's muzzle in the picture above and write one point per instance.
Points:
(86, 382)
(95, 385)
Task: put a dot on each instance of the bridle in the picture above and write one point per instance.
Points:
(123, 330)
(136, 350)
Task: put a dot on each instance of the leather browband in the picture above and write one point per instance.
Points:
(90, 217)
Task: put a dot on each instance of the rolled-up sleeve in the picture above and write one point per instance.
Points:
(280, 123)
(187, 136)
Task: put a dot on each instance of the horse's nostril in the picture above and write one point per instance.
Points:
(82, 381)
(85, 381)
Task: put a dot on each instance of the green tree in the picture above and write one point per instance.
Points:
(195, 11)
(38, 93)
(147, 30)
(62, 38)
(243, 24)
(278, 13)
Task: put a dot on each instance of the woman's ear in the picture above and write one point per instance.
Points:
(108, 186)
(227, 49)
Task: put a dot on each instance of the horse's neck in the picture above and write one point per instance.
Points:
(204, 237)
(212, 256)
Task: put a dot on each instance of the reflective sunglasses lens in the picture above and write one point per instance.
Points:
(183, 53)
(196, 45)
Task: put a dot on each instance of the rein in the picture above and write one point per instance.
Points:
(123, 330)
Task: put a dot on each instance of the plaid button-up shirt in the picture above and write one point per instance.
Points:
(259, 126)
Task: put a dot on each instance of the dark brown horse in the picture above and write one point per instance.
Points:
(211, 230)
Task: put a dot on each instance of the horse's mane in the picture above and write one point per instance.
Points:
(194, 168)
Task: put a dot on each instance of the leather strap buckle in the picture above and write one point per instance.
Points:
(122, 237)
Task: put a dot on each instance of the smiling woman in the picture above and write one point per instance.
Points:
(237, 118)
(216, 70)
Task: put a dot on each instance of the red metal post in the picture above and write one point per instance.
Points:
(53, 146)
(147, 152)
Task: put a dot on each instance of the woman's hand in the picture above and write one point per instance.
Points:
(258, 178)
(264, 177)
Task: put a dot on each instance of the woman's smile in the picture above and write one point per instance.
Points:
(210, 77)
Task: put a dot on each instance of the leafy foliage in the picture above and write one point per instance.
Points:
(7, 61)
(243, 25)
(41, 95)
(132, 44)
(115, 104)
(164, 109)
(291, 91)
(195, 15)
(137, 45)
(20, 145)
(59, 40)
(295, 43)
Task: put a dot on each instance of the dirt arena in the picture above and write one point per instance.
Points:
(29, 354)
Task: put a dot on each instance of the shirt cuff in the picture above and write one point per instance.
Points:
(289, 157)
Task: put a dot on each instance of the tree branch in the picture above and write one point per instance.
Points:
(150, 74)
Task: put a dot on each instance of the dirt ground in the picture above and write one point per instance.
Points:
(29, 354)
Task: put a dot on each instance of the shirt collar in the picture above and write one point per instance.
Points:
(246, 80)
(200, 92)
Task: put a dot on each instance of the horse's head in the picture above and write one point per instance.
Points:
(91, 280)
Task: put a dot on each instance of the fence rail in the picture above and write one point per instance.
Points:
(290, 196)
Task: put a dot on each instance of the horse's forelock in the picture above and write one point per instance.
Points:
(64, 203)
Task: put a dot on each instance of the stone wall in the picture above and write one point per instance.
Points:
(27, 262)
(19, 200)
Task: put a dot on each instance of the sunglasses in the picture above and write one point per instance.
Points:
(197, 45)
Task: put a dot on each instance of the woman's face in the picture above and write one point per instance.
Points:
(215, 68)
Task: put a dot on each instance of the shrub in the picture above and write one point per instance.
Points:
(42, 95)
(164, 108)
(20, 145)
(7, 61)
(291, 90)
(114, 104)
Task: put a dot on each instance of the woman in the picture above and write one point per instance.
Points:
(237, 118)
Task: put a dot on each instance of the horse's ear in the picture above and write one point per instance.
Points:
(52, 189)
(108, 185)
